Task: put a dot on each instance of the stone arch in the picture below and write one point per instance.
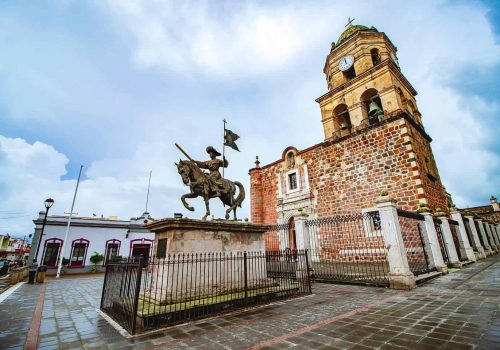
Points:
(342, 119)
(375, 55)
(368, 97)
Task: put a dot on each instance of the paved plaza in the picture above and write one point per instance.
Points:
(456, 311)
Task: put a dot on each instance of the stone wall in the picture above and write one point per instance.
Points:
(347, 175)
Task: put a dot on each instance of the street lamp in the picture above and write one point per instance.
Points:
(49, 202)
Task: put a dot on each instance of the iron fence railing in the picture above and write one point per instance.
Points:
(183, 287)
(468, 231)
(412, 226)
(443, 245)
(348, 249)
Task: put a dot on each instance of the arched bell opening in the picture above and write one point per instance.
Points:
(375, 56)
(372, 107)
(342, 120)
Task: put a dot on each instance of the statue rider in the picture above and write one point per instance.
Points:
(215, 178)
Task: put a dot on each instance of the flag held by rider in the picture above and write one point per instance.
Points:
(230, 138)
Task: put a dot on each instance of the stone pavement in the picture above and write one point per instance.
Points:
(456, 311)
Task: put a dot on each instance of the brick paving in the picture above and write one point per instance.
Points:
(456, 311)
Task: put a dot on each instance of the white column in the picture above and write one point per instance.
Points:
(475, 236)
(497, 230)
(400, 275)
(450, 244)
(465, 246)
(431, 239)
(482, 232)
(301, 231)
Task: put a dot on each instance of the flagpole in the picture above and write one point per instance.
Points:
(223, 146)
(67, 227)
(149, 185)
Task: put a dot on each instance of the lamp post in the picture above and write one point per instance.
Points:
(49, 202)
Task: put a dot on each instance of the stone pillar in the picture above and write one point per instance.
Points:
(482, 232)
(400, 275)
(465, 246)
(431, 240)
(493, 240)
(448, 240)
(475, 236)
(301, 231)
(497, 229)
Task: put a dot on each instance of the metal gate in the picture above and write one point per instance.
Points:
(120, 292)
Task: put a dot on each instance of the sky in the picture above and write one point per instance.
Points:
(113, 84)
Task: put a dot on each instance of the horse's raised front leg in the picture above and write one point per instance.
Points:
(186, 205)
(208, 208)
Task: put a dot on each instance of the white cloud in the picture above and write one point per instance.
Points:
(193, 37)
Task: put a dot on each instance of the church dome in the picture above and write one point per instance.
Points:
(351, 30)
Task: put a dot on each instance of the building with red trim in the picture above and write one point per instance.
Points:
(108, 236)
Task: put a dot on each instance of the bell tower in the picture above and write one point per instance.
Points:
(365, 83)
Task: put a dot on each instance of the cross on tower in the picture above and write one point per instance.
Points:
(349, 21)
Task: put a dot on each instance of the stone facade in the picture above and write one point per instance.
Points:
(363, 152)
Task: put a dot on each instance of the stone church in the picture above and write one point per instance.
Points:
(374, 140)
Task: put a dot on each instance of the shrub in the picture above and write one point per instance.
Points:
(96, 258)
(65, 262)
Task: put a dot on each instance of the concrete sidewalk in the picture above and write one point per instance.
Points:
(456, 311)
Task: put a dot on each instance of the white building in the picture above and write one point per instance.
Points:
(108, 236)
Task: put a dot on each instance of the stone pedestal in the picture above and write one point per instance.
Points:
(205, 258)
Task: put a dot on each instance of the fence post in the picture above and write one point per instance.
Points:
(104, 285)
(308, 271)
(475, 236)
(431, 240)
(482, 232)
(245, 272)
(465, 246)
(136, 296)
(400, 275)
(301, 231)
(448, 240)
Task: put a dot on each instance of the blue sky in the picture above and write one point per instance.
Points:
(112, 85)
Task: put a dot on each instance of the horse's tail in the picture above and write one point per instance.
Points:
(241, 194)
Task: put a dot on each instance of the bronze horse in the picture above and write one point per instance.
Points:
(200, 186)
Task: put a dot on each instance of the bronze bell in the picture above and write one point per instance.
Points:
(374, 109)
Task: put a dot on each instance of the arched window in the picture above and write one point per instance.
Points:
(342, 119)
(141, 248)
(375, 56)
(51, 252)
(372, 106)
(290, 160)
(112, 250)
(78, 254)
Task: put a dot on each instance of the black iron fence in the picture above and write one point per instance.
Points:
(443, 246)
(412, 225)
(183, 287)
(468, 230)
(348, 249)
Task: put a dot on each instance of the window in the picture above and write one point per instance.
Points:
(375, 56)
(51, 253)
(161, 250)
(78, 253)
(292, 181)
(112, 250)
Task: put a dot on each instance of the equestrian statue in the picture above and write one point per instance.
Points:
(211, 185)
